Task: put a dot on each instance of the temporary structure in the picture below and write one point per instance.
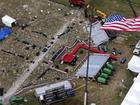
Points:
(96, 62)
(41, 90)
(54, 92)
(8, 21)
(134, 64)
(98, 36)
(132, 97)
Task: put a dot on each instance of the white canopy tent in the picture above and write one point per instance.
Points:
(133, 95)
(134, 64)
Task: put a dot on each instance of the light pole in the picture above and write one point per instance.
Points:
(88, 60)
(133, 10)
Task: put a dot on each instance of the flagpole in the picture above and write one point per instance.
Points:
(87, 71)
(133, 10)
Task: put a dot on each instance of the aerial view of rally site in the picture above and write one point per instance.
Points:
(70, 52)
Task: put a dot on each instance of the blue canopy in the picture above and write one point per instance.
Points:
(4, 32)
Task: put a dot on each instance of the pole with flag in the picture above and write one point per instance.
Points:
(88, 60)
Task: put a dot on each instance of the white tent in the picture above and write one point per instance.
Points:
(8, 21)
(133, 95)
(134, 64)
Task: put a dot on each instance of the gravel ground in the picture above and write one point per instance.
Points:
(43, 19)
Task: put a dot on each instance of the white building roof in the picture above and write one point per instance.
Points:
(41, 90)
(98, 36)
(8, 21)
(96, 61)
(133, 95)
(134, 64)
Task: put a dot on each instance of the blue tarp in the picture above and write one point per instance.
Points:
(4, 32)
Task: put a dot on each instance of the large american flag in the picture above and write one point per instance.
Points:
(117, 22)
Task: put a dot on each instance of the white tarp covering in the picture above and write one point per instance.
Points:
(98, 36)
(133, 95)
(134, 64)
(96, 62)
(8, 21)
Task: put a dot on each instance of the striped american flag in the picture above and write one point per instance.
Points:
(117, 22)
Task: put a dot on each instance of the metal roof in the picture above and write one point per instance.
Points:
(8, 21)
(96, 62)
(98, 36)
(41, 90)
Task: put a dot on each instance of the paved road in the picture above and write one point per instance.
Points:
(20, 80)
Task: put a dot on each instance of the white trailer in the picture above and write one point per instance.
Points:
(8, 21)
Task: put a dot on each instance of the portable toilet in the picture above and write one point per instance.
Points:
(8, 21)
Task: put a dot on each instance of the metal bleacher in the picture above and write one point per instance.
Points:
(55, 95)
